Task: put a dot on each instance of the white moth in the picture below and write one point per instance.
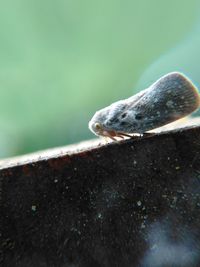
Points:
(170, 98)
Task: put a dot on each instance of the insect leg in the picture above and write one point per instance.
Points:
(123, 134)
(111, 137)
(120, 135)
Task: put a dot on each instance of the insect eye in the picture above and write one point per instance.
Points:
(97, 126)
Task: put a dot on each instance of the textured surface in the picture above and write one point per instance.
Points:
(132, 203)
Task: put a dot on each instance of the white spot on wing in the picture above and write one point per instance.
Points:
(170, 104)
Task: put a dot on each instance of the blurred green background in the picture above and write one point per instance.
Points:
(60, 61)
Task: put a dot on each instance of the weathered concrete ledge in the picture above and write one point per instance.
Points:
(131, 203)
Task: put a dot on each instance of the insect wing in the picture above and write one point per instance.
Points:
(172, 97)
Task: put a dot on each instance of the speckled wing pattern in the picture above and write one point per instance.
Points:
(170, 98)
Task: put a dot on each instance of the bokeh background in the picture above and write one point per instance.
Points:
(60, 61)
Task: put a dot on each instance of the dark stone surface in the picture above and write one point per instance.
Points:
(133, 203)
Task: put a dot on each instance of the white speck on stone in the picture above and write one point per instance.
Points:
(143, 226)
(154, 247)
(56, 180)
(135, 162)
(177, 167)
(139, 203)
(33, 207)
(175, 199)
(99, 216)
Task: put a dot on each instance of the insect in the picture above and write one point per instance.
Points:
(170, 98)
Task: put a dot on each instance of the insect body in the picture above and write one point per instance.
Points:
(170, 98)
